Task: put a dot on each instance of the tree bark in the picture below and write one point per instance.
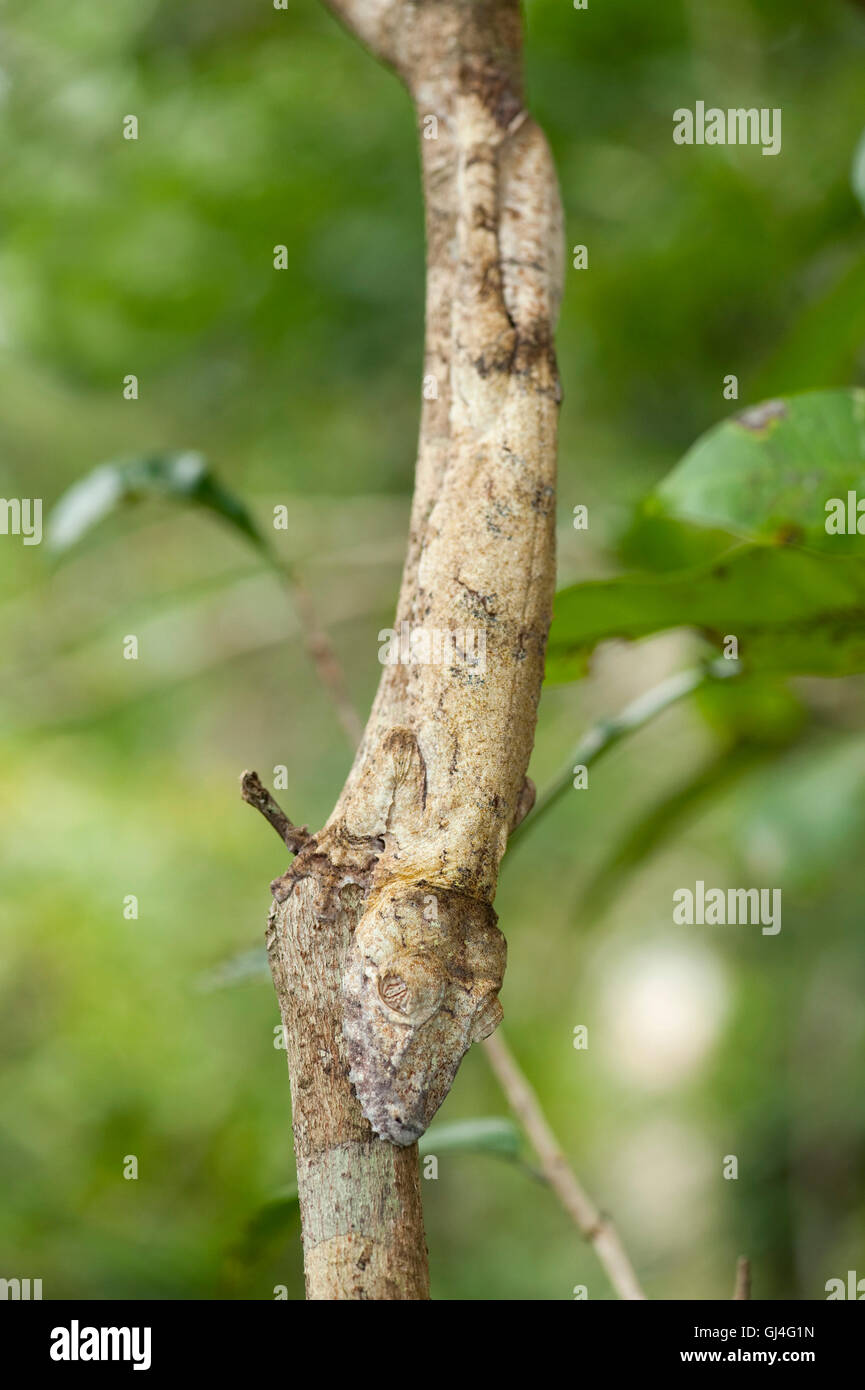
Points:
(382, 938)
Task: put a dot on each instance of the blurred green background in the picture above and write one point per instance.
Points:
(302, 386)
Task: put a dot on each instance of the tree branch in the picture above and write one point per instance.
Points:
(597, 1229)
(257, 795)
(383, 941)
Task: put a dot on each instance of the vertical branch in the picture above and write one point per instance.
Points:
(438, 779)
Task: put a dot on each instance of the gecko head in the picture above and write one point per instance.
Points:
(421, 985)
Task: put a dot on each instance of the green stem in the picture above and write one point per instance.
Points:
(604, 735)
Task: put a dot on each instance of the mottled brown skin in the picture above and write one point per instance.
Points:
(421, 985)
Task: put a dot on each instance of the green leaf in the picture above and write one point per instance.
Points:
(490, 1135)
(177, 477)
(734, 541)
(768, 473)
(655, 541)
(793, 612)
(752, 710)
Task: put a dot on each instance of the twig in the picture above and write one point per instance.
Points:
(607, 732)
(597, 1229)
(324, 657)
(742, 1288)
(257, 795)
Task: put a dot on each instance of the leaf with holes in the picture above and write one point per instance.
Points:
(770, 473)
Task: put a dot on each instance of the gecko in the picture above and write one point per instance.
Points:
(424, 968)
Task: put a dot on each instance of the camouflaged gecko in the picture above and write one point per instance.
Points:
(424, 968)
(421, 985)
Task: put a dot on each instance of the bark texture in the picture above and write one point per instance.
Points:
(383, 941)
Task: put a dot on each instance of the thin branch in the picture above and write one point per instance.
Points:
(597, 1229)
(256, 794)
(604, 735)
(742, 1289)
(324, 659)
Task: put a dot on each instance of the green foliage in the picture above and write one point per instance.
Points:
(753, 709)
(792, 612)
(792, 593)
(184, 478)
(767, 474)
(490, 1135)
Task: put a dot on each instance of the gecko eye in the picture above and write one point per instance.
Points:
(412, 986)
(393, 990)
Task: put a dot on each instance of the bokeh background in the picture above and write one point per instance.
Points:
(129, 1037)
